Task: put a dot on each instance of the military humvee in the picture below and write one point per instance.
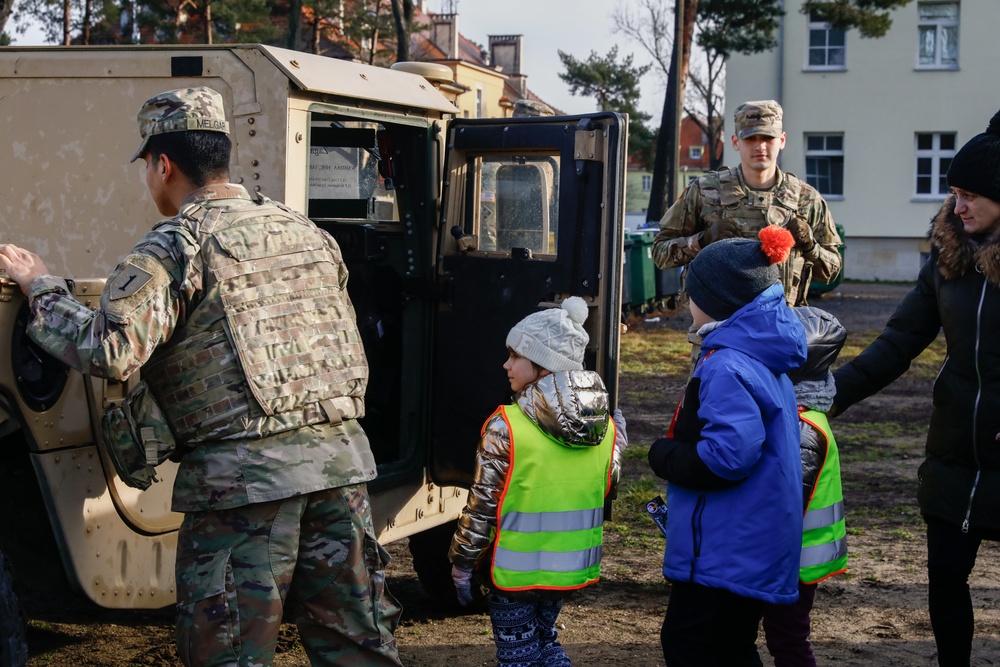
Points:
(453, 229)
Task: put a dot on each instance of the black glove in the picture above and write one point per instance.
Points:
(717, 229)
(802, 233)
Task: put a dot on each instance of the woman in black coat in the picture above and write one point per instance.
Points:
(958, 290)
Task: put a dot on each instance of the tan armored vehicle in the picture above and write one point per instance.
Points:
(453, 229)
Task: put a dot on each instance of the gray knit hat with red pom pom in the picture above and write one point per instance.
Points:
(554, 338)
(976, 167)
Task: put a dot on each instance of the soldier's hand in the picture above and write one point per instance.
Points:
(22, 266)
(801, 232)
(716, 230)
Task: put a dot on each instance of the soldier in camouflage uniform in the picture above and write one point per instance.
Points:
(236, 310)
(741, 201)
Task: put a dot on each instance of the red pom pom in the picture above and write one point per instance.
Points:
(776, 242)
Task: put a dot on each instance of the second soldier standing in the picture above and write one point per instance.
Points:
(738, 203)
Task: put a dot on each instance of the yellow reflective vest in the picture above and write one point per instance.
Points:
(824, 533)
(550, 518)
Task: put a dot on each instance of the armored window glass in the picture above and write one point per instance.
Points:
(518, 203)
(349, 177)
(825, 163)
(937, 35)
(934, 152)
(827, 45)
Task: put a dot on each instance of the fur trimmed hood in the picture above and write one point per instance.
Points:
(958, 252)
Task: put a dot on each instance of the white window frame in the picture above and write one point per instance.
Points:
(827, 29)
(696, 152)
(937, 155)
(940, 25)
(825, 152)
(647, 182)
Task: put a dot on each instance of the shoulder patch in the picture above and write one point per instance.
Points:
(129, 280)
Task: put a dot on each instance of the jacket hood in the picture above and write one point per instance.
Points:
(570, 406)
(765, 329)
(958, 252)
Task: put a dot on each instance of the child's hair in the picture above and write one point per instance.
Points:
(553, 339)
(728, 274)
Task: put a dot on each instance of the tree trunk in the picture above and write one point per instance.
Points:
(86, 21)
(663, 189)
(208, 21)
(6, 7)
(402, 11)
(317, 34)
(66, 38)
(294, 24)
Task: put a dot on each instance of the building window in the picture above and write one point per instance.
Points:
(695, 152)
(480, 109)
(647, 183)
(935, 151)
(825, 163)
(937, 32)
(827, 45)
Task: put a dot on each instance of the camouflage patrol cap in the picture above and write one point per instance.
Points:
(181, 110)
(760, 117)
(525, 107)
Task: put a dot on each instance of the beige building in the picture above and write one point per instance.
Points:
(874, 123)
(488, 81)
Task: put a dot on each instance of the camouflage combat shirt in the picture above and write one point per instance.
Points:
(215, 475)
(721, 205)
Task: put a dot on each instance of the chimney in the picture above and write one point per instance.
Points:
(505, 53)
(445, 34)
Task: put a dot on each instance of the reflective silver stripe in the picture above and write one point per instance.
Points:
(823, 553)
(548, 561)
(552, 522)
(823, 517)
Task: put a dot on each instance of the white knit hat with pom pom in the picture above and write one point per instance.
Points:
(554, 338)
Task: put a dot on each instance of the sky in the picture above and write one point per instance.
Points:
(576, 27)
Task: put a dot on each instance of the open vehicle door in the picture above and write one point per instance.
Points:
(532, 212)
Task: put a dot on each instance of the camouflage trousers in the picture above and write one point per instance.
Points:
(236, 568)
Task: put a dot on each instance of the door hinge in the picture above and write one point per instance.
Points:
(589, 145)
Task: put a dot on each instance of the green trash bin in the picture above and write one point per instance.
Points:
(818, 288)
(642, 278)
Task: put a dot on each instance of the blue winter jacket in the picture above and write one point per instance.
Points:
(732, 459)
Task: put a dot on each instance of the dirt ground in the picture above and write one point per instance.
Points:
(875, 615)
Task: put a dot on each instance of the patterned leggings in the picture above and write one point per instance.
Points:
(525, 632)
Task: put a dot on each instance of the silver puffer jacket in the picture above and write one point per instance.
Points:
(570, 406)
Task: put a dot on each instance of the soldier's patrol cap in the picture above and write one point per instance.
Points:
(760, 117)
(525, 107)
(181, 110)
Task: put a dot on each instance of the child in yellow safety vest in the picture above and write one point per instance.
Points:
(824, 536)
(533, 524)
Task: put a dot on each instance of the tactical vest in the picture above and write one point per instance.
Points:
(824, 533)
(273, 345)
(551, 510)
(735, 204)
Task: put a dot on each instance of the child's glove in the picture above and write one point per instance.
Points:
(463, 584)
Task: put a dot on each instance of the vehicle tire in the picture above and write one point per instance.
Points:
(13, 647)
(429, 550)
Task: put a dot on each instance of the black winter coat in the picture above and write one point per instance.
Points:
(958, 290)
